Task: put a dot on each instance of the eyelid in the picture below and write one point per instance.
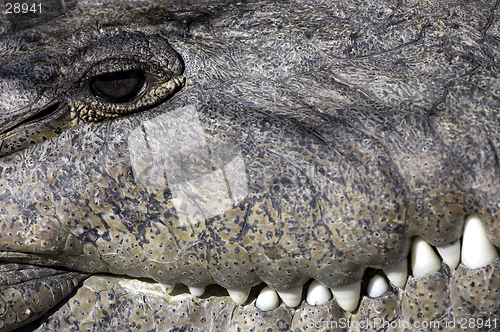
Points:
(159, 85)
(160, 64)
(113, 65)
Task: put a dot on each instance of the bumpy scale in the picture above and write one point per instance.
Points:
(311, 158)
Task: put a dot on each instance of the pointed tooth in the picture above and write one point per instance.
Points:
(347, 296)
(377, 286)
(398, 274)
(424, 260)
(317, 294)
(291, 297)
(267, 299)
(166, 288)
(450, 254)
(196, 291)
(477, 249)
(239, 295)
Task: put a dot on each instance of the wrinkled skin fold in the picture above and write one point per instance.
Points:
(263, 142)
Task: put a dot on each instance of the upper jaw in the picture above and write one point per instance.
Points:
(208, 197)
(282, 230)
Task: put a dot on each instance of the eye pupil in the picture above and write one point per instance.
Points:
(118, 87)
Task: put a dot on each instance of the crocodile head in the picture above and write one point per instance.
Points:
(317, 166)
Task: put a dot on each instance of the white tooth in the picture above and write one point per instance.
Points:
(377, 286)
(450, 254)
(291, 297)
(317, 294)
(424, 260)
(267, 299)
(398, 274)
(166, 288)
(477, 249)
(196, 291)
(239, 295)
(347, 296)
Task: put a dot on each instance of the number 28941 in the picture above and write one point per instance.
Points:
(22, 8)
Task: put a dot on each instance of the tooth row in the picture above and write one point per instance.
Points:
(475, 251)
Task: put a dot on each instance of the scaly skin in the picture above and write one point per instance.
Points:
(302, 140)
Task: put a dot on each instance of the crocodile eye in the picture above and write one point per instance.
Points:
(119, 87)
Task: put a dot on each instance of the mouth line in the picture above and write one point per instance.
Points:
(50, 111)
(423, 261)
(464, 273)
(421, 297)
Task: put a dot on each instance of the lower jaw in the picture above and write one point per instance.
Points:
(445, 299)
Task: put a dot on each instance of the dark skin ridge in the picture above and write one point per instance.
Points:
(324, 137)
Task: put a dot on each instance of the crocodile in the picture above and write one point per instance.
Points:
(249, 166)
